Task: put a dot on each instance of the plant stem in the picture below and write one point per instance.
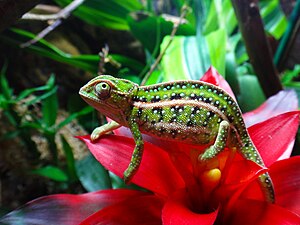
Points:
(258, 49)
(58, 18)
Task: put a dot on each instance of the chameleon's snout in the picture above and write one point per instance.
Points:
(86, 92)
(82, 90)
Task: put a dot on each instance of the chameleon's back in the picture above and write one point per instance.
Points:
(190, 111)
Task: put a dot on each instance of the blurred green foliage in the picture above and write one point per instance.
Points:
(46, 125)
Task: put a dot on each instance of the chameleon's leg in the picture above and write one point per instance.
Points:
(137, 154)
(219, 144)
(97, 132)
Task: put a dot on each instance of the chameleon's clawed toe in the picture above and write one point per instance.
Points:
(94, 137)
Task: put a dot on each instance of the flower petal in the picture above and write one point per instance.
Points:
(177, 210)
(156, 173)
(240, 178)
(243, 171)
(283, 101)
(213, 77)
(273, 136)
(66, 209)
(249, 212)
(135, 211)
(286, 179)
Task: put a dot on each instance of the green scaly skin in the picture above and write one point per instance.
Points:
(192, 112)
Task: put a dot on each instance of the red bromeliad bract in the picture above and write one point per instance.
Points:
(180, 189)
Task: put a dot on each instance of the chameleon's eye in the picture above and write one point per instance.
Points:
(102, 90)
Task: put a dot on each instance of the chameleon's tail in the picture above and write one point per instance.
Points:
(267, 187)
(250, 152)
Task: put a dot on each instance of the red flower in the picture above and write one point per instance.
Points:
(181, 190)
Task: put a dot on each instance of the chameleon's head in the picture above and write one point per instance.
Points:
(110, 96)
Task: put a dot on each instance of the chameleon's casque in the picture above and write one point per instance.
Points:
(192, 112)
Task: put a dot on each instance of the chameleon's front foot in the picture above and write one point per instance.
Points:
(99, 131)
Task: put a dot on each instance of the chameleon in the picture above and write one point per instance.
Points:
(188, 111)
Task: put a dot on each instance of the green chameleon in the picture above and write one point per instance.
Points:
(192, 112)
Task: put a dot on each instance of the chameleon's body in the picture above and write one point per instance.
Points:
(192, 112)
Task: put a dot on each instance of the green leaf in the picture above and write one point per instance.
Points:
(289, 75)
(201, 10)
(229, 19)
(6, 91)
(89, 63)
(71, 117)
(16, 37)
(52, 172)
(132, 64)
(35, 125)
(231, 73)
(221, 15)
(251, 94)
(42, 97)
(69, 159)
(173, 63)
(212, 22)
(274, 19)
(155, 78)
(110, 14)
(216, 42)
(27, 92)
(240, 52)
(49, 109)
(182, 60)
(92, 175)
(10, 115)
(150, 30)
